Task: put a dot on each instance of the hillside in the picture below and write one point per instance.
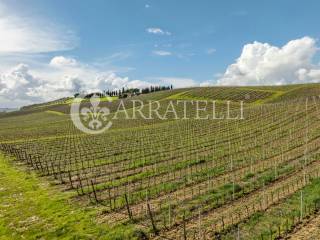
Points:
(250, 94)
(191, 178)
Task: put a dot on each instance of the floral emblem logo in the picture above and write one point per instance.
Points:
(91, 119)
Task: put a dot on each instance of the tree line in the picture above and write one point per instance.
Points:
(127, 92)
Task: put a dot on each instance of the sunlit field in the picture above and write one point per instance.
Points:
(254, 178)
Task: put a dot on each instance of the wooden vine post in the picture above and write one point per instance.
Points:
(154, 228)
(128, 207)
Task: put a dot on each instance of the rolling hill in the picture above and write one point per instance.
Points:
(255, 177)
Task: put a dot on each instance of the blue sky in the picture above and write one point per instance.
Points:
(148, 40)
(107, 27)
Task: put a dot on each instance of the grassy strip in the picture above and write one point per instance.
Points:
(271, 98)
(55, 112)
(185, 96)
(32, 209)
(102, 99)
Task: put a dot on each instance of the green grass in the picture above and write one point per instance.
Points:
(32, 209)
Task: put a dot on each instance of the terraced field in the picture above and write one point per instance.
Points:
(186, 178)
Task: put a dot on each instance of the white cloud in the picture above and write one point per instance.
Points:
(23, 84)
(18, 83)
(61, 77)
(23, 34)
(138, 84)
(61, 61)
(177, 82)
(206, 84)
(28, 76)
(147, 6)
(162, 53)
(158, 31)
(264, 64)
(83, 77)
